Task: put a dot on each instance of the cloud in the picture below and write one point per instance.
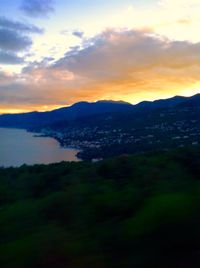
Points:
(37, 8)
(117, 54)
(10, 40)
(19, 26)
(10, 58)
(14, 38)
(122, 64)
(78, 33)
(4, 77)
(11, 43)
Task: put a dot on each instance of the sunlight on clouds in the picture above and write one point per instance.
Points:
(138, 52)
(178, 20)
(121, 64)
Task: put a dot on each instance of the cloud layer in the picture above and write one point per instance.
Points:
(130, 65)
(13, 41)
(14, 38)
(19, 26)
(10, 58)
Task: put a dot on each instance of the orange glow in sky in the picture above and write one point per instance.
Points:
(119, 50)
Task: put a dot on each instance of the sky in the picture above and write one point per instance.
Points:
(54, 53)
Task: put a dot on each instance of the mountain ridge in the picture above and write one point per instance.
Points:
(83, 109)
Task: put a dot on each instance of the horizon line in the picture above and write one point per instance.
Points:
(101, 100)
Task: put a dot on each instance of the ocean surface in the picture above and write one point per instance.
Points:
(18, 147)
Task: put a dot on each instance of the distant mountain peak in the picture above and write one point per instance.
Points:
(114, 102)
(111, 102)
(85, 109)
(79, 103)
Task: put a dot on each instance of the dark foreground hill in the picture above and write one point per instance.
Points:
(140, 211)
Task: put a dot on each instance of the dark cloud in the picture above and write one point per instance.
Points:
(14, 38)
(10, 58)
(19, 26)
(13, 41)
(78, 33)
(37, 8)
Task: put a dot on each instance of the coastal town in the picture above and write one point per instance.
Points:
(158, 130)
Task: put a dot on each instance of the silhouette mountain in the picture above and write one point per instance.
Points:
(84, 109)
(76, 111)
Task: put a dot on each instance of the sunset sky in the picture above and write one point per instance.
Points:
(54, 53)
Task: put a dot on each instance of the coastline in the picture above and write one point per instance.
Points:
(60, 141)
(19, 146)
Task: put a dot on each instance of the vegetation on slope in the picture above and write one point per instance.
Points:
(139, 211)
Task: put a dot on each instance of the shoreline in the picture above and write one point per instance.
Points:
(19, 146)
(37, 134)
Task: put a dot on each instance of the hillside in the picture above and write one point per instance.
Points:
(140, 211)
(133, 131)
(37, 120)
(81, 110)
(106, 128)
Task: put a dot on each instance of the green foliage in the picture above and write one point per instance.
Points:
(140, 211)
